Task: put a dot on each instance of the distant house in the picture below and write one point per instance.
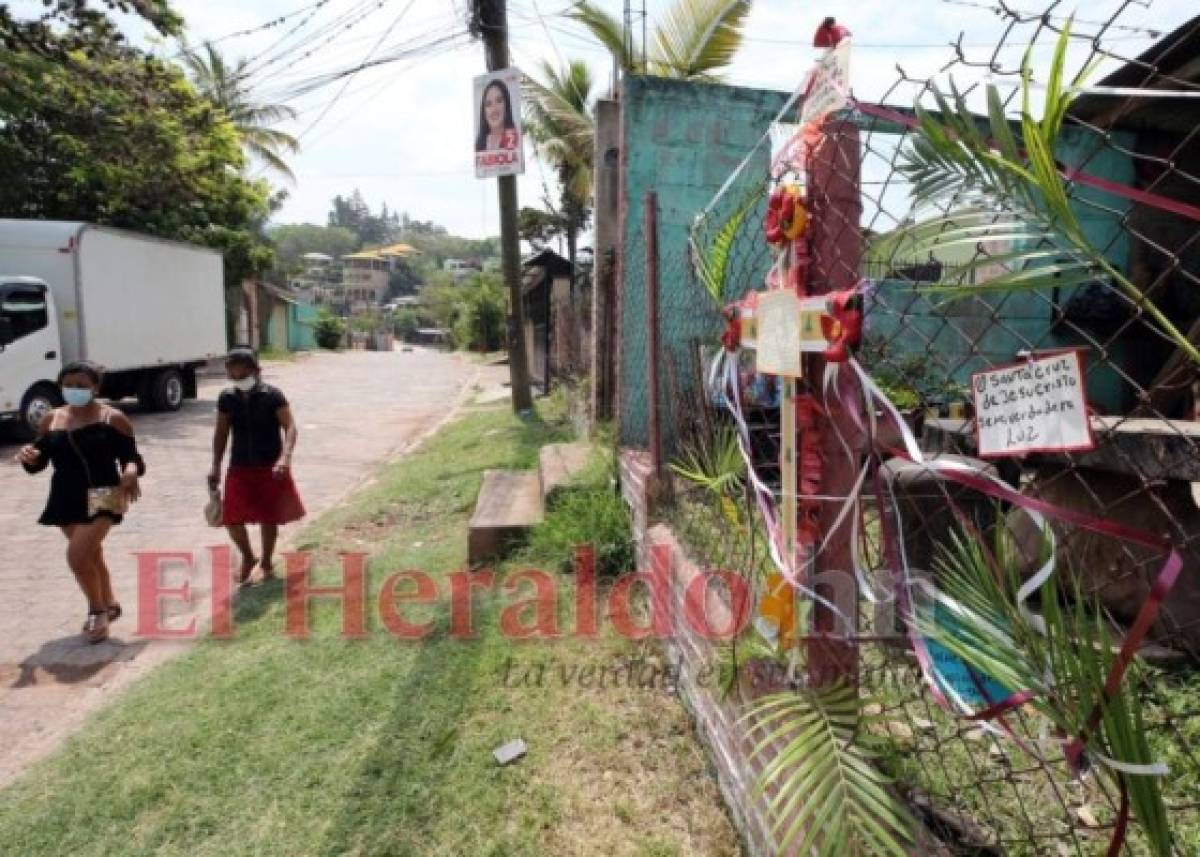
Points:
(319, 281)
(275, 318)
(366, 274)
(462, 268)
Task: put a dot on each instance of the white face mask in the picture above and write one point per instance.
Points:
(246, 384)
(78, 397)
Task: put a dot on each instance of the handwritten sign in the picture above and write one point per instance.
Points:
(830, 88)
(1034, 406)
(779, 334)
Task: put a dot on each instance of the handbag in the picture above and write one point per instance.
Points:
(212, 509)
(111, 499)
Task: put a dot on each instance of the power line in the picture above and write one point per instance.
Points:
(273, 47)
(302, 83)
(267, 25)
(321, 38)
(379, 87)
(320, 81)
(352, 74)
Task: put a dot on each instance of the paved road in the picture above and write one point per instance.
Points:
(354, 410)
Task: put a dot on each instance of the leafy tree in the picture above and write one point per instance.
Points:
(292, 241)
(228, 89)
(114, 136)
(560, 122)
(354, 214)
(410, 227)
(695, 40)
(403, 280)
(538, 227)
(65, 28)
(482, 310)
(440, 299)
(407, 322)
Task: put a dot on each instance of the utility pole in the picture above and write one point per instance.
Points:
(492, 19)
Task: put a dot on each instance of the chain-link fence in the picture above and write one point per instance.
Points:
(983, 242)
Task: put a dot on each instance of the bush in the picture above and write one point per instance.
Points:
(329, 330)
(481, 314)
(407, 322)
(591, 514)
(369, 321)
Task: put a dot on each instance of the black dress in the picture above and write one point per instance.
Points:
(91, 456)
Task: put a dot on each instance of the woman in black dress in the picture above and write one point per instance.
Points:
(96, 470)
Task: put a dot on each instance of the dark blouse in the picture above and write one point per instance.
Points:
(91, 456)
(254, 421)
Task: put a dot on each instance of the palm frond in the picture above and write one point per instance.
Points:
(696, 38)
(270, 138)
(952, 161)
(608, 31)
(1065, 659)
(712, 262)
(262, 114)
(226, 88)
(714, 464)
(825, 794)
(271, 158)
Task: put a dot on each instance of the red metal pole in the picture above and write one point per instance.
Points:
(652, 355)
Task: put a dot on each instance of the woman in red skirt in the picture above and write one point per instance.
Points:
(258, 486)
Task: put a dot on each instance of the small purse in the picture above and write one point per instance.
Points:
(212, 509)
(111, 499)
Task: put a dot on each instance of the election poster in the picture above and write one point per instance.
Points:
(498, 134)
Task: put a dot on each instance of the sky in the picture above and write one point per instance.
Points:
(401, 133)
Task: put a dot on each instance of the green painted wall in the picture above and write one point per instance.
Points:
(974, 334)
(683, 140)
(300, 327)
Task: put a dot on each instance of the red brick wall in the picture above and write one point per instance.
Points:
(694, 658)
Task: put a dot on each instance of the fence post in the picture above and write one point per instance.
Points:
(836, 246)
(608, 234)
(652, 343)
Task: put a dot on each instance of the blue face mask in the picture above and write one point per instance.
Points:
(78, 397)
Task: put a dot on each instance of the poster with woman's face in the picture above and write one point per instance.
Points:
(498, 150)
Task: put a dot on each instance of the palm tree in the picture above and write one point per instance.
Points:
(693, 41)
(227, 88)
(559, 119)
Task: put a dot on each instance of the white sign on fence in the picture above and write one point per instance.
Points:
(1038, 405)
(830, 88)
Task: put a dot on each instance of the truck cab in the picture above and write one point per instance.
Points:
(30, 353)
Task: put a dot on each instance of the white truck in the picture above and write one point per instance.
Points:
(149, 311)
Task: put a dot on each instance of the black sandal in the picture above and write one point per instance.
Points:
(114, 612)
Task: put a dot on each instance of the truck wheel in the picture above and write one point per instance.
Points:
(166, 390)
(38, 402)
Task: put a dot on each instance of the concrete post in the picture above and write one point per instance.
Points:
(607, 242)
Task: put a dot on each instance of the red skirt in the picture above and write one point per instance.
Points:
(254, 495)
